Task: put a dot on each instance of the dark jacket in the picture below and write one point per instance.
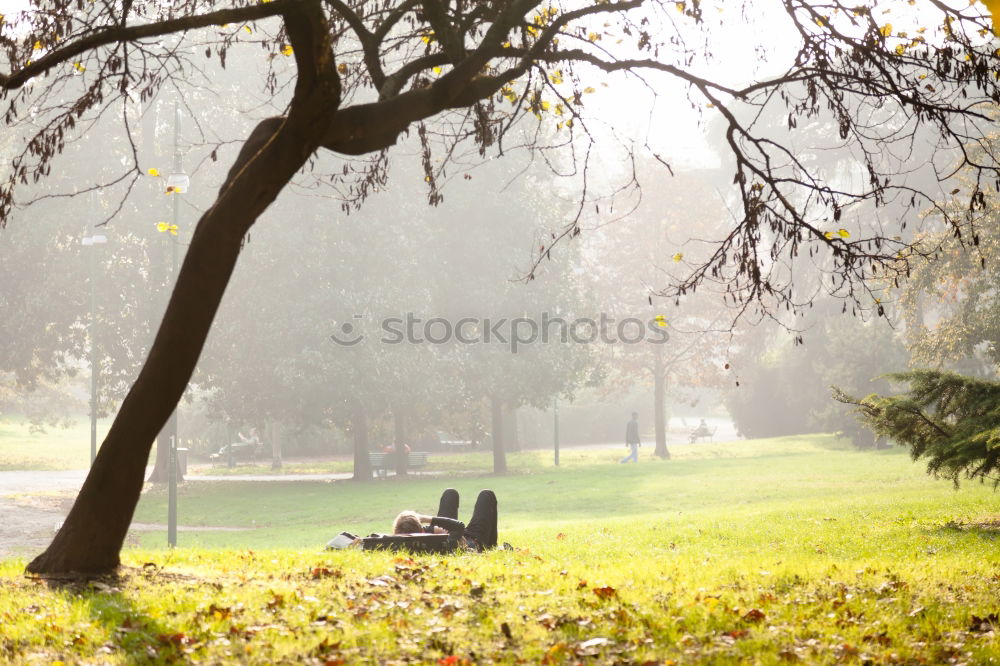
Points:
(456, 532)
(632, 433)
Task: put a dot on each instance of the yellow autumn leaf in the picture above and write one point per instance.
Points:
(162, 226)
(437, 70)
(843, 233)
(589, 89)
(342, 68)
(994, 7)
(287, 50)
(593, 36)
(829, 235)
(78, 66)
(154, 172)
(678, 256)
(248, 29)
(37, 46)
(886, 30)
(661, 320)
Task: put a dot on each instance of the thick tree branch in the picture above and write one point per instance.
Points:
(450, 40)
(120, 33)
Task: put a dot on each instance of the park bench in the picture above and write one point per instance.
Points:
(382, 462)
(702, 433)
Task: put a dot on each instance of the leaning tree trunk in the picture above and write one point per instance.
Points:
(359, 426)
(659, 406)
(399, 426)
(92, 535)
(499, 455)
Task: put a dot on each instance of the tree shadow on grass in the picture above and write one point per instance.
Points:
(987, 529)
(133, 635)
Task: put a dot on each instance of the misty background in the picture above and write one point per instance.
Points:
(344, 245)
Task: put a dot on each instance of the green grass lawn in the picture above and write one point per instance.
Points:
(771, 551)
(54, 449)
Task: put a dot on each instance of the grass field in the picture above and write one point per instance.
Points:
(54, 449)
(771, 551)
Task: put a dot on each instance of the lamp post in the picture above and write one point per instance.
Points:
(177, 183)
(89, 241)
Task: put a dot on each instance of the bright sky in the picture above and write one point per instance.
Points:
(744, 45)
(744, 48)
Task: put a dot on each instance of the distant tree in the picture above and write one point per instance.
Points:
(944, 418)
(416, 60)
(668, 231)
(780, 388)
(950, 306)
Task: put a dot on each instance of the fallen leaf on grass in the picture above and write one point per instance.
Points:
(555, 653)
(326, 572)
(754, 615)
(882, 638)
(606, 592)
(987, 623)
(590, 648)
(177, 639)
(382, 581)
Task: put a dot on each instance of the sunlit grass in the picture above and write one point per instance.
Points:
(770, 551)
(53, 449)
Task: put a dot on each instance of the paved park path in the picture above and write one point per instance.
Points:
(34, 503)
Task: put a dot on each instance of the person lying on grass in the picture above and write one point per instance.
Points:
(480, 534)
